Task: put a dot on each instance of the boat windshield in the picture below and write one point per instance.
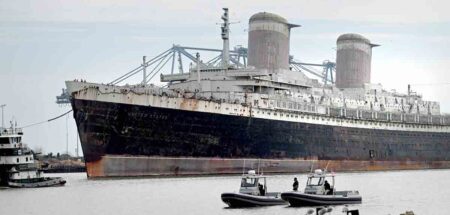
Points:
(315, 181)
(4, 140)
(249, 182)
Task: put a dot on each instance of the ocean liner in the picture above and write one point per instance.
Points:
(219, 118)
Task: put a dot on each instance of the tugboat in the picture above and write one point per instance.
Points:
(318, 191)
(17, 165)
(252, 193)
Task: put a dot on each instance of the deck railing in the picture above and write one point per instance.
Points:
(10, 131)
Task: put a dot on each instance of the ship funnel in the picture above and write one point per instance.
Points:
(268, 41)
(353, 61)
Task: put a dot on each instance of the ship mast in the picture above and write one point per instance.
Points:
(225, 37)
(144, 71)
(3, 120)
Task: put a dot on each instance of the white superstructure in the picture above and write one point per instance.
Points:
(17, 165)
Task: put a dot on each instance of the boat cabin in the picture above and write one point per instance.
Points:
(253, 184)
(320, 183)
(10, 141)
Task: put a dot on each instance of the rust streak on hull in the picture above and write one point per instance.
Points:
(95, 168)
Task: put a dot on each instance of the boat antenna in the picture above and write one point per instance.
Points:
(326, 167)
(259, 163)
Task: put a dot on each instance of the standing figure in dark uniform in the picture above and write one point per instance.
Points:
(327, 188)
(295, 184)
(262, 192)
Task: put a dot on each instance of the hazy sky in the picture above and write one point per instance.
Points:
(43, 43)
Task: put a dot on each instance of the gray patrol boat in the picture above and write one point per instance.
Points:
(252, 193)
(319, 192)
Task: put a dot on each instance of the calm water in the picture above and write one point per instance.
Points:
(424, 192)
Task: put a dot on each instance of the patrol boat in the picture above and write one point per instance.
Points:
(318, 193)
(252, 193)
(17, 165)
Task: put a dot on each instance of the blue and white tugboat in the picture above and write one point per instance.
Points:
(252, 193)
(17, 165)
(319, 191)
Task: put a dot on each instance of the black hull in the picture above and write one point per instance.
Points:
(296, 199)
(124, 130)
(239, 200)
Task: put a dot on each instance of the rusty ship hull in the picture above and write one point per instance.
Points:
(121, 140)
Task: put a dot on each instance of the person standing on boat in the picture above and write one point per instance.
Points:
(327, 188)
(295, 184)
(262, 192)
